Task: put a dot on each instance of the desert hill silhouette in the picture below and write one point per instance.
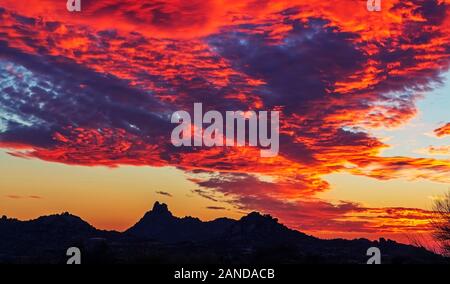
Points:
(160, 237)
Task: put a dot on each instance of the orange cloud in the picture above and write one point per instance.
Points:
(14, 196)
(443, 131)
(437, 150)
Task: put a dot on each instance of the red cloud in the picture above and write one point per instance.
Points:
(314, 215)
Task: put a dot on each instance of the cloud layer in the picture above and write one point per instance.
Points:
(98, 88)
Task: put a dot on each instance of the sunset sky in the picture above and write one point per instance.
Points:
(364, 97)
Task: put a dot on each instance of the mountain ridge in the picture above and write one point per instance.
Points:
(161, 237)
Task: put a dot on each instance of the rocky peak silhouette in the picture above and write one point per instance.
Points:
(160, 208)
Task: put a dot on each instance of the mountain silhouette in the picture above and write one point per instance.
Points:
(45, 236)
(161, 237)
(262, 229)
(159, 224)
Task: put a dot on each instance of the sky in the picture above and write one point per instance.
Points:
(86, 100)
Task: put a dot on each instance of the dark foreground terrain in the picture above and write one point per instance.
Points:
(161, 238)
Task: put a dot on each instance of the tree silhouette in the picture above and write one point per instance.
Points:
(441, 222)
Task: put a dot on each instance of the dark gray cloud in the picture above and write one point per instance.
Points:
(164, 193)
